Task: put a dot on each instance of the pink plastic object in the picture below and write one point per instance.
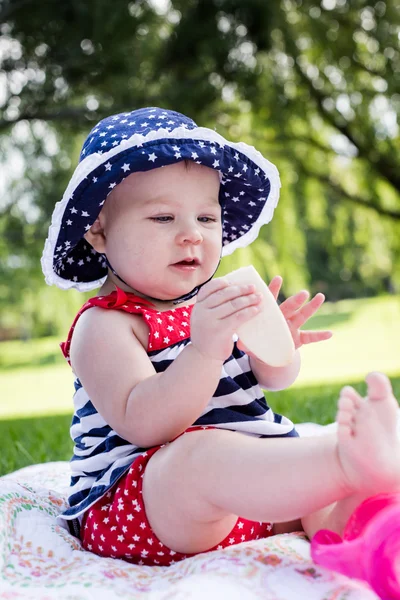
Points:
(370, 548)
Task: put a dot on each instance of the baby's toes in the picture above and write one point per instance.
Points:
(379, 386)
(345, 430)
(345, 416)
(351, 394)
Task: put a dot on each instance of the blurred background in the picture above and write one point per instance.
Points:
(314, 85)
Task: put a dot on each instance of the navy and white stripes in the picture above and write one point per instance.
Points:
(101, 456)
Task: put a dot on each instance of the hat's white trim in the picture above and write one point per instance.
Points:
(88, 164)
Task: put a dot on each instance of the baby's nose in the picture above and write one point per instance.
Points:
(191, 234)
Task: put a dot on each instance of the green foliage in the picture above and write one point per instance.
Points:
(314, 86)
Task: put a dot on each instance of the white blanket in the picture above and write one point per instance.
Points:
(40, 559)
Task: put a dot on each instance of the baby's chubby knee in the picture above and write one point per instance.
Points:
(174, 478)
(192, 449)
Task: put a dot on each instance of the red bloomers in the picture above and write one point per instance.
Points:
(117, 526)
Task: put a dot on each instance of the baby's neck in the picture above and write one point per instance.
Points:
(161, 305)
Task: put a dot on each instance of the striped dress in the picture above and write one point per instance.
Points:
(101, 456)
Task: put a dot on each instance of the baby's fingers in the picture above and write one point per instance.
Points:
(310, 337)
(292, 304)
(209, 288)
(308, 310)
(237, 305)
(275, 286)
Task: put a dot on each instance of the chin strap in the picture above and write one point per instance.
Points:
(184, 298)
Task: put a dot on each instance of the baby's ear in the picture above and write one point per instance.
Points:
(95, 236)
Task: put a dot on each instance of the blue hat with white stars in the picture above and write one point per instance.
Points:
(142, 140)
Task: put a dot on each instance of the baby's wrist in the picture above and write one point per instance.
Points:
(203, 356)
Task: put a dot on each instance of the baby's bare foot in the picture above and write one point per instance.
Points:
(368, 444)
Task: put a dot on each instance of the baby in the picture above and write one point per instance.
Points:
(176, 450)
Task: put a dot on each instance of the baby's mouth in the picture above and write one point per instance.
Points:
(189, 262)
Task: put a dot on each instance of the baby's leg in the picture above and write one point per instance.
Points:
(374, 468)
(194, 487)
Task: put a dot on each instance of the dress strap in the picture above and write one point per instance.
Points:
(165, 328)
(116, 300)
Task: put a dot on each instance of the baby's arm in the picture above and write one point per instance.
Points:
(142, 406)
(275, 378)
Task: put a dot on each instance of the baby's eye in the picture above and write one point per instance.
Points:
(208, 219)
(163, 219)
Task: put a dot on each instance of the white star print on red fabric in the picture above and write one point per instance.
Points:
(175, 326)
(121, 535)
(165, 328)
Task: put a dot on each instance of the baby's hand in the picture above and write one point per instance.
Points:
(219, 309)
(297, 313)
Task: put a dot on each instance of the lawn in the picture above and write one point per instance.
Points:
(37, 385)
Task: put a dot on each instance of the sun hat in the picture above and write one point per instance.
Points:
(141, 140)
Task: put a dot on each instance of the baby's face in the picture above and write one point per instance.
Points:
(155, 219)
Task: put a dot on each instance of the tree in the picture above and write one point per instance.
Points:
(313, 86)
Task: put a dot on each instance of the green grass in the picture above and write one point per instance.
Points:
(33, 440)
(366, 338)
(35, 380)
(316, 403)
